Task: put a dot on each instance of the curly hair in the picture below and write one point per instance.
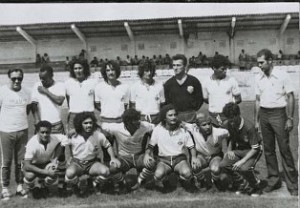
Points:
(146, 65)
(163, 113)
(84, 64)
(130, 115)
(43, 123)
(231, 110)
(112, 65)
(218, 61)
(80, 117)
(48, 69)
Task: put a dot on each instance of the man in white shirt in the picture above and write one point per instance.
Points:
(14, 108)
(47, 97)
(42, 150)
(80, 88)
(208, 143)
(111, 96)
(147, 95)
(274, 111)
(171, 140)
(220, 89)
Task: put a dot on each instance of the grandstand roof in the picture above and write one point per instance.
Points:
(108, 28)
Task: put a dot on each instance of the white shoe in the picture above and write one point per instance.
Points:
(5, 194)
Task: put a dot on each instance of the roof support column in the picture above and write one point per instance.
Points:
(30, 39)
(231, 35)
(180, 28)
(129, 31)
(80, 35)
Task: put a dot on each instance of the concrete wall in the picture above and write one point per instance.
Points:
(148, 45)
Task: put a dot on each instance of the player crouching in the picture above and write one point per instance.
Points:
(171, 139)
(41, 161)
(244, 150)
(85, 147)
(208, 141)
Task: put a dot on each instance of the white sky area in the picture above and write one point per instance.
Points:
(13, 14)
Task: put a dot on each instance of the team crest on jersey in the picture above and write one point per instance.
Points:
(246, 139)
(190, 89)
(91, 92)
(96, 148)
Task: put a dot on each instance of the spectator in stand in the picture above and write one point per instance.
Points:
(220, 89)
(45, 58)
(135, 60)
(94, 62)
(128, 60)
(184, 91)
(168, 61)
(83, 54)
(192, 62)
(38, 60)
(298, 55)
(67, 64)
(14, 108)
(160, 60)
(80, 89)
(216, 53)
(242, 56)
(280, 55)
(199, 59)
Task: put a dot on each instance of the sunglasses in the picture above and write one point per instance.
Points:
(20, 79)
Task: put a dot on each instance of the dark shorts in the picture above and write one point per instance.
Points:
(131, 161)
(172, 161)
(83, 165)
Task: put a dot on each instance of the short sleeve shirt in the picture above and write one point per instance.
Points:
(147, 98)
(13, 115)
(170, 143)
(81, 94)
(49, 110)
(88, 149)
(220, 92)
(273, 89)
(112, 99)
(38, 154)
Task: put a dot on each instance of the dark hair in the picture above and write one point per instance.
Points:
(48, 69)
(130, 115)
(146, 65)
(15, 70)
(80, 117)
(43, 123)
(267, 53)
(219, 61)
(163, 113)
(84, 64)
(231, 110)
(180, 57)
(114, 66)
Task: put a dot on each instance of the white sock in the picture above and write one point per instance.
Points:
(19, 187)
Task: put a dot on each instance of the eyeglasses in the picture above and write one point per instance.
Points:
(20, 79)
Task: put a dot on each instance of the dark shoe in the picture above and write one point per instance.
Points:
(269, 189)
(36, 193)
(294, 193)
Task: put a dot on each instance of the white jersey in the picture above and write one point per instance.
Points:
(112, 99)
(48, 110)
(147, 98)
(170, 143)
(213, 144)
(13, 115)
(81, 94)
(39, 154)
(220, 92)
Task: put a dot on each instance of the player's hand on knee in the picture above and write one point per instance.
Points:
(288, 125)
(148, 160)
(230, 155)
(195, 163)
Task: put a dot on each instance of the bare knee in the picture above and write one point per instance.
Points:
(29, 176)
(185, 172)
(71, 172)
(159, 173)
(215, 169)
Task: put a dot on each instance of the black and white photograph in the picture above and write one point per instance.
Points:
(150, 104)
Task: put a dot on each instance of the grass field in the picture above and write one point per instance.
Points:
(178, 198)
